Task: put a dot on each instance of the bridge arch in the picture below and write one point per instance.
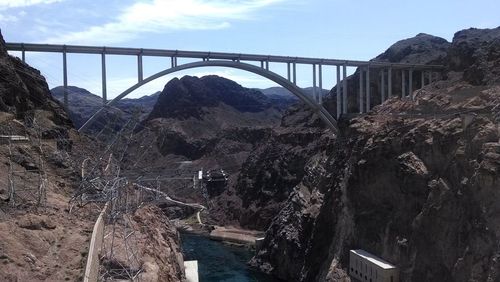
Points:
(318, 109)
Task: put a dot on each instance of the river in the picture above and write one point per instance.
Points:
(219, 262)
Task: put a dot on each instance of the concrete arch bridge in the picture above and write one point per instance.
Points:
(247, 62)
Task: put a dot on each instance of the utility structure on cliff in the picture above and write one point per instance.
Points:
(364, 266)
(257, 64)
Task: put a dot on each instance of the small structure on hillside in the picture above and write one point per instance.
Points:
(364, 266)
(6, 139)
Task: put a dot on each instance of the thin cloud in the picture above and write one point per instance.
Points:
(6, 4)
(8, 18)
(161, 16)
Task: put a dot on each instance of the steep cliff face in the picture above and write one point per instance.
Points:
(207, 123)
(476, 53)
(420, 192)
(156, 246)
(273, 168)
(265, 182)
(41, 237)
(419, 189)
(23, 89)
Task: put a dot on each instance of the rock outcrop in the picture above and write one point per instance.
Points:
(476, 53)
(413, 182)
(23, 90)
(42, 237)
(212, 123)
(156, 245)
(191, 96)
(82, 105)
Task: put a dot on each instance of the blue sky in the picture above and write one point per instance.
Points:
(357, 29)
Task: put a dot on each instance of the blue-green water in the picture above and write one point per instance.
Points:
(219, 262)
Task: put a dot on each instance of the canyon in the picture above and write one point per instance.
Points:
(415, 181)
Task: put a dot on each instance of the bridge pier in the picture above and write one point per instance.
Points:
(314, 84)
(23, 53)
(103, 70)
(389, 82)
(295, 73)
(339, 106)
(320, 74)
(139, 68)
(361, 106)
(65, 80)
(403, 83)
(410, 83)
(344, 89)
(288, 72)
(382, 85)
(422, 79)
(368, 94)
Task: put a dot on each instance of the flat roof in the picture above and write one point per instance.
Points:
(373, 259)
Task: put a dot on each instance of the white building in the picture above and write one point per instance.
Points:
(366, 267)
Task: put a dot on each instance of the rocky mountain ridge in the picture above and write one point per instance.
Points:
(83, 104)
(44, 235)
(414, 182)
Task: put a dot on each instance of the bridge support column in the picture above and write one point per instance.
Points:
(382, 86)
(410, 83)
(65, 80)
(389, 83)
(339, 101)
(267, 65)
(403, 83)
(103, 72)
(422, 79)
(295, 73)
(344, 89)
(23, 55)
(314, 84)
(288, 72)
(140, 76)
(368, 94)
(361, 91)
(320, 75)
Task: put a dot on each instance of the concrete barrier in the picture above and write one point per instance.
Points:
(258, 244)
(238, 236)
(191, 269)
(92, 268)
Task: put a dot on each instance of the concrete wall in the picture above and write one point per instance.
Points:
(92, 268)
(365, 270)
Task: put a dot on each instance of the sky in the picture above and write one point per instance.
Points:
(333, 29)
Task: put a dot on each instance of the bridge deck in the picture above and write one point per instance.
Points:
(33, 47)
